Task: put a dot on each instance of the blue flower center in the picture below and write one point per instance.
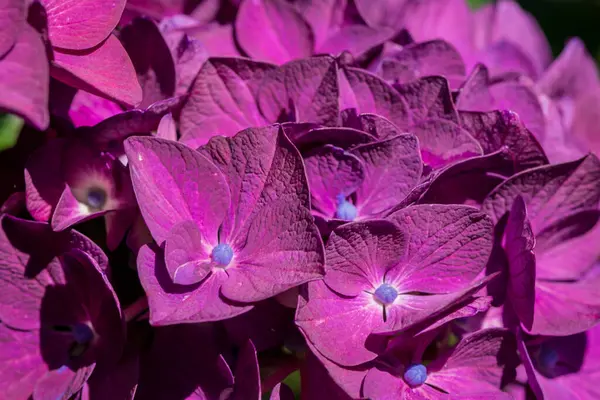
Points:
(222, 254)
(345, 210)
(548, 359)
(386, 294)
(415, 375)
(96, 198)
(82, 333)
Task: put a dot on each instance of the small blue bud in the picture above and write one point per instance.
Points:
(386, 294)
(96, 198)
(82, 333)
(415, 375)
(345, 209)
(222, 254)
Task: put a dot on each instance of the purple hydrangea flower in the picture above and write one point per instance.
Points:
(380, 278)
(60, 316)
(234, 223)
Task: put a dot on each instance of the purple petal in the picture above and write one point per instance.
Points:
(519, 243)
(392, 168)
(303, 90)
(428, 98)
(282, 248)
(418, 60)
(324, 379)
(374, 124)
(223, 99)
(448, 246)
(359, 255)
(187, 254)
(496, 129)
(12, 19)
(324, 17)
(324, 321)
(565, 308)
(332, 172)
(151, 58)
(443, 142)
(345, 138)
(61, 383)
(174, 183)
(26, 92)
(550, 192)
(367, 93)
(572, 74)
(505, 57)
(356, 39)
(167, 128)
(170, 303)
(506, 20)
(69, 211)
(104, 70)
(284, 34)
(388, 13)
(82, 24)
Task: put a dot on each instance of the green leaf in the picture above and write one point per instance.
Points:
(10, 128)
(477, 3)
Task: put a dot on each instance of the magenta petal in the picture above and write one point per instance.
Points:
(173, 304)
(356, 39)
(324, 16)
(387, 13)
(332, 172)
(367, 93)
(26, 92)
(519, 243)
(392, 168)
(572, 74)
(444, 142)
(507, 57)
(428, 98)
(283, 35)
(167, 128)
(563, 249)
(282, 248)
(565, 308)
(476, 365)
(449, 245)
(303, 90)
(359, 255)
(506, 20)
(81, 24)
(174, 183)
(222, 100)
(12, 20)
(324, 321)
(105, 70)
(61, 383)
(551, 192)
(187, 254)
(417, 60)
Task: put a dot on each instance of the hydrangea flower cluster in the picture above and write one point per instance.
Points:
(333, 199)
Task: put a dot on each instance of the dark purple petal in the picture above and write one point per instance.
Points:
(247, 375)
(281, 391)
(428, 98)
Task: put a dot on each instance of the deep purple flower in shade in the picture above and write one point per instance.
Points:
(85, 54)
(24, 68)
(234, 221)
(185, 362)
(562, 367)
(202, 10)
(60, 316)
(70, 181)
(380, 278)
(553, 214)
(473, 369)
(364, 182)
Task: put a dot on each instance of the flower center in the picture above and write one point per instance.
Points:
(345, 210)
(385, 294)
(96, 198)
(222, 254)
(548, 359)
(415, 375)
(82, 333)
